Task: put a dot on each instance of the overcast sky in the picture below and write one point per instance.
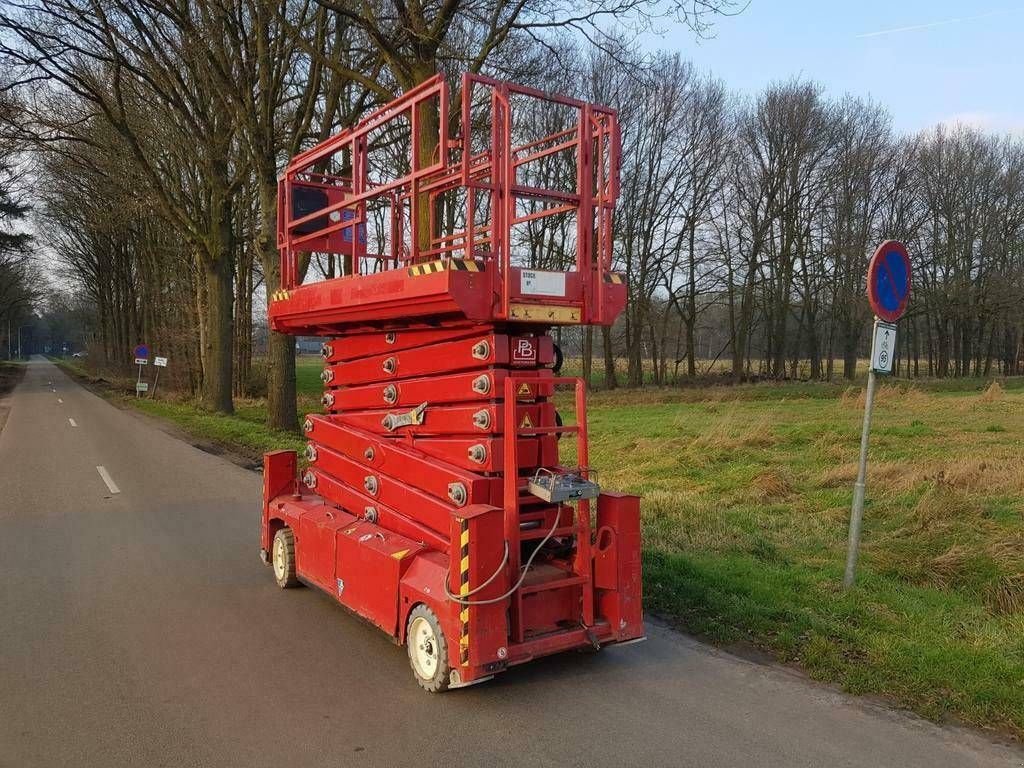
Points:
(926, 61)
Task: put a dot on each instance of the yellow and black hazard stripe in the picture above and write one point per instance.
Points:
(445, 265)
(613, 277)
(464, 593)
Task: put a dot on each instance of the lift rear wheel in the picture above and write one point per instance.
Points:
(428, 650)
(283, 558)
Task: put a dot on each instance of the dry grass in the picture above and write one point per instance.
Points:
(735, 431)
(999, 474)
(993, 394)
(771, 486)
(1006, 596)
(947, 568)
(942, 503)
(887, 395)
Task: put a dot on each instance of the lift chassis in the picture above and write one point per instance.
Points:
(436, 498)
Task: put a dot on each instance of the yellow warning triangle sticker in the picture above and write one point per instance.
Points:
(524, 389)
(526, 422)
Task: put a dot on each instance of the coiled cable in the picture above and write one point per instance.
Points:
(461, 599)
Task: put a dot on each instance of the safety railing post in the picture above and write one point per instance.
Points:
(511, 497)
(583, 564)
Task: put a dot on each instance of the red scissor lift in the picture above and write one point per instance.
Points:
(434, 503)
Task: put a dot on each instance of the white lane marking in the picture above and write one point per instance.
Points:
(108, 480)
(60, 400)
(72, 422)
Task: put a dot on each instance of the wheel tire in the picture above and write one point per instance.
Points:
(282, 556)
(428, 650)
(556, 367)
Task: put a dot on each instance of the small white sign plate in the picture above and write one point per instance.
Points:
(142, 386)
(160, 361)
(141, 361)
(534, 282)
(883, 347)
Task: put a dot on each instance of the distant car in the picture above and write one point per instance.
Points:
(79, 354)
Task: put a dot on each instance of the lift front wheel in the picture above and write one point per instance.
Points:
(283, 554)
(428, 650)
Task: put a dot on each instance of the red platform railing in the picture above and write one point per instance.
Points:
(489, 172)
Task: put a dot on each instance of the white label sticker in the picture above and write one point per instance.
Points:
(883, 347)
(536, 283)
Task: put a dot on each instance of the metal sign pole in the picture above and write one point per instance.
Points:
(138, 382)
(158, 363)
(857, 512)
(883, 346)
(888, 285)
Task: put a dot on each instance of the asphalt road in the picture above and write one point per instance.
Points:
(139, 628)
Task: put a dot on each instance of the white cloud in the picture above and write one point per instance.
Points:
(932, 24)
(990, 122)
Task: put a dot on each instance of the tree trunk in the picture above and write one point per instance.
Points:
(691, 304)
(282, 411)
(611, 381)
(217, 357)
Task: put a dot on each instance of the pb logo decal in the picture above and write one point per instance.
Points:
(524, 351)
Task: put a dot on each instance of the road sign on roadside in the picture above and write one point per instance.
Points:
(889, 281)
(141, 358)
(158, 363)
(883, 347)
(888, 294)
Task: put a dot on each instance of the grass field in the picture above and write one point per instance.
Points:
(746, 500)
(746, 503)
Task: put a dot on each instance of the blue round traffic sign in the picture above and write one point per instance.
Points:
(141, 351)
(889, 276)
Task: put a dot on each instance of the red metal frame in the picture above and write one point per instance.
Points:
(457, 171)
(439, 396)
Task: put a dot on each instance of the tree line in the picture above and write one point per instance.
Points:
(160, 128)
(748, 224)
(19, 287)
(156, 133)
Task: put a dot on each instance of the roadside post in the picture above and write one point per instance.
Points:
(141, 359)
(889, 273)
(158, 363)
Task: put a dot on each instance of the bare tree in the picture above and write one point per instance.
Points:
(148, 75)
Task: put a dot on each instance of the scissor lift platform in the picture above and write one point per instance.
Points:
(414, 506)
(444, 291)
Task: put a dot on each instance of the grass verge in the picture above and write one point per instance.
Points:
(10, 374)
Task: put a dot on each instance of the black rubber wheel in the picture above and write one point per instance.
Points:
(282, 556)
(428, 650)
(556, 368)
